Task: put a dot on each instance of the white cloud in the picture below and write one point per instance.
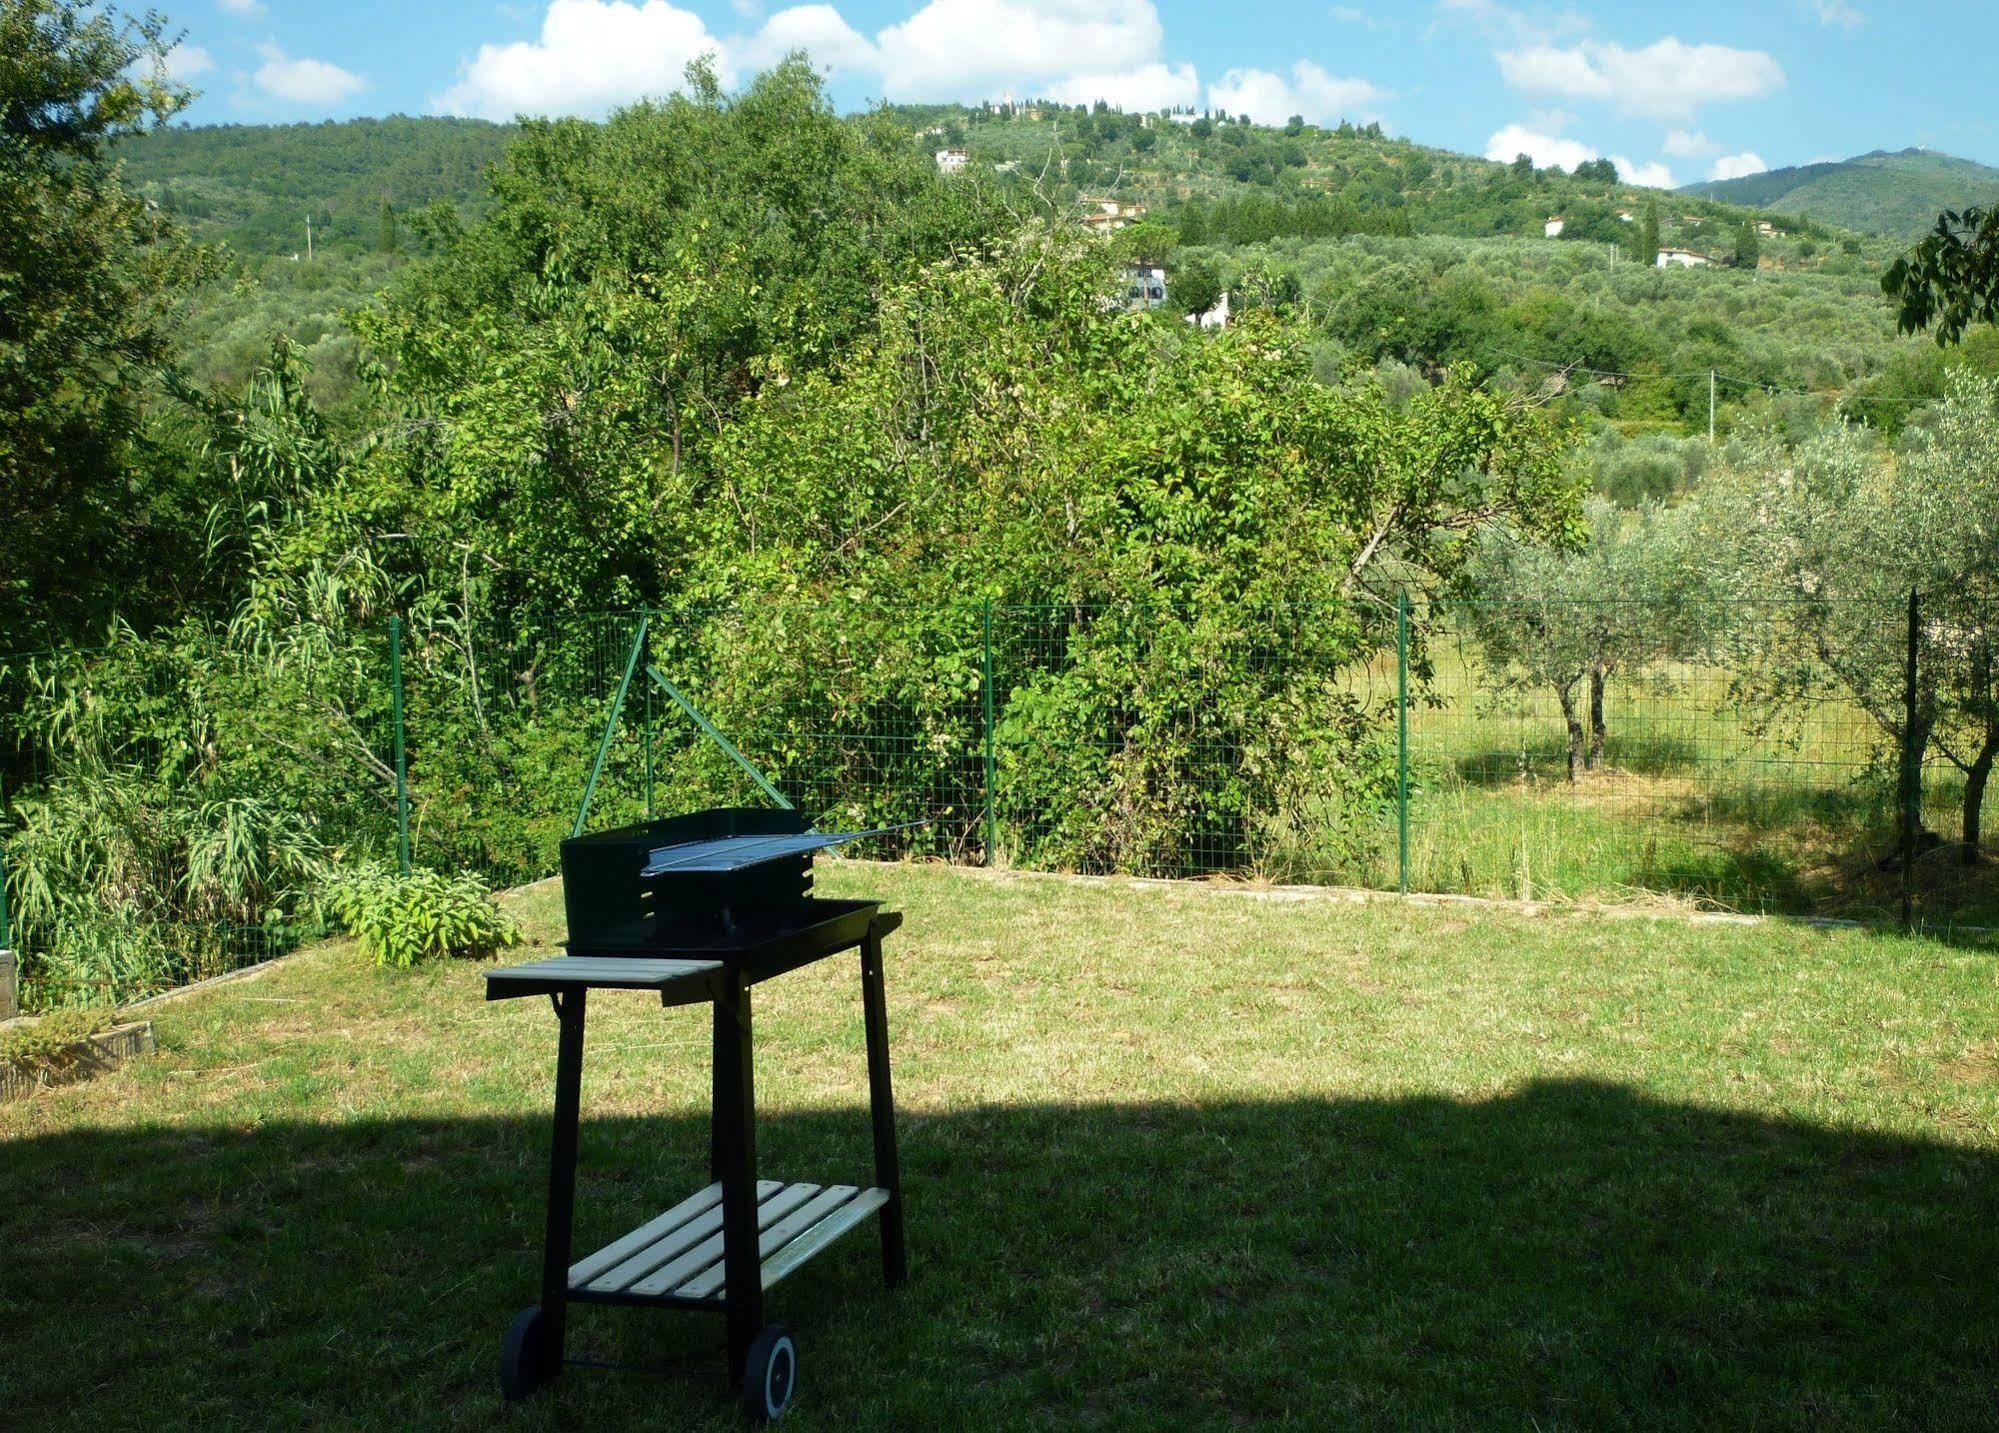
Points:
(1149, 87)
(1735, 166)
(966, 49)
(1689, 144)
(1550, 150)
(1318, 96)
(310, 82)
(1834, 12)
(183, 62)
(592, 56)
(819, 30)
(241, 7)
(1546, 150)
(1645, 176)
(1506, 25)
(1666, 79)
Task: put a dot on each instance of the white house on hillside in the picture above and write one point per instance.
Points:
(950, 161)
(1216, 317)
(1145, 286)
(1681, 259)
(1552, 229)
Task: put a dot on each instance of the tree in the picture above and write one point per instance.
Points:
(1196, 285)
(1950, 279)
(558, 375)
(385, 229)
(1568, 619)
(1645, 238)
(1748, 247)
(1295, 125)
(1841, 537)
(92, 281)
(1523, 166)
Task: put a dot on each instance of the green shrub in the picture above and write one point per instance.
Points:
(401, 920)
(50, 1039)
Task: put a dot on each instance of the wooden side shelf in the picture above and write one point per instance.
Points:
(677, 1257)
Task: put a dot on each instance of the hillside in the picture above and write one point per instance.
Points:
(1402, 253)
(1897, 194)
(253, 185)
(1249, 183)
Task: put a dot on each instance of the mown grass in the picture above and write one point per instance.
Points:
(1175, 1158)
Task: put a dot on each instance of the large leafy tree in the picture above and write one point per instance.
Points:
(558, 375)
(1950, 280)
(90, 280)
(1186, 541)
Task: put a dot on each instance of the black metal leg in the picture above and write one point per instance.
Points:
(736, 1139)
(881, 1104)
(721, 1071)
(562, 1178)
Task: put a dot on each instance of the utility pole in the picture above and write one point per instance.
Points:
(308, 238)
(1710, 407)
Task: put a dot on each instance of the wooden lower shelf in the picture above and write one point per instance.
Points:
(677, 1257)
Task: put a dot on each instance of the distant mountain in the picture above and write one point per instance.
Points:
(1899, 194)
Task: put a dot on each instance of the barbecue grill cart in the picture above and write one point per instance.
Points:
(701, 908)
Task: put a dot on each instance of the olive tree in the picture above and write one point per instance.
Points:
(1841, 533)
(1569, 619)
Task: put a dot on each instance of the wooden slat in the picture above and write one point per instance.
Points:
(674, 1242)
(787, 1259)
(710, 1280)
(709, 1251)
(618, 1250)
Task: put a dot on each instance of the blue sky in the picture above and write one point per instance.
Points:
(1673, 91)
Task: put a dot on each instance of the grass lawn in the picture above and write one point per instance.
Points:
(1175, 1157)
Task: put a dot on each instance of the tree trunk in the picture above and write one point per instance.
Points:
(1597, 733)
(1577, 740)
(1974, 794)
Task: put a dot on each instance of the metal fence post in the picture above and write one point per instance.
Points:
(402, 765)
(647, 659)
(1912, 761)
(1402, 742)
(986, 648)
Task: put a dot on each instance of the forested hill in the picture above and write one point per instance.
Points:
(1898, 194)
(1246, 183)
(252, 185)
(1397, 252)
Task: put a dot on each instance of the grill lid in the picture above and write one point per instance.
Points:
(720, 854)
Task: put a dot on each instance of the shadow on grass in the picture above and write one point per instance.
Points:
(1573, 1253)
(1546, 758)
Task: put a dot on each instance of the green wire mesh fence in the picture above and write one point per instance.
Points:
(167, 801)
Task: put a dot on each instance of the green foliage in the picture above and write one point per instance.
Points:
(1950, 279)
(250, 186)
(1847, 537)
(1197, 286)
(1748, 245)
(402, 921)
(1645, 234)
(49, 1039)
(1640, 591)
(90, 280)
